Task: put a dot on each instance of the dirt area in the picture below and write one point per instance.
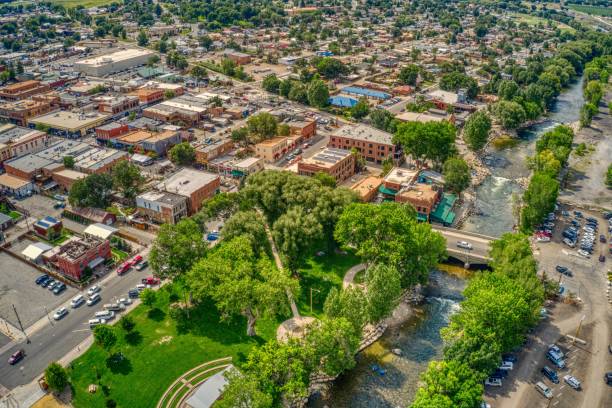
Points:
(260, 71)
(586, 183)
(49, 401)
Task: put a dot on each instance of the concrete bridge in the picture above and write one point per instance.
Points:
(478, 255)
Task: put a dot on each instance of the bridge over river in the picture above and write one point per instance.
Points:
(478, 255)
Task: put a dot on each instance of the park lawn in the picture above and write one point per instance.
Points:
(534, 20)
(322, 273)
(119, 255)
(84, 3)
(161, 351)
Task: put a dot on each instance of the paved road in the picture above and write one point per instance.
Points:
(480, 244)
(52, 342)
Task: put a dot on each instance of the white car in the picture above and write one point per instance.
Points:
(556, 349)
(506, 365)
(125, 301)
(464, 245)
(572, 381)
(493, 382)
(77, 301)
(584, 253)
(93, 299)
(60, 313)
(569, 242)
(543, 238)
(92, 290)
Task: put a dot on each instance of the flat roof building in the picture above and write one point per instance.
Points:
(69, 124)
(196, 185)
(338, 163)
(162, 206)
(373, 144)
(111, 63)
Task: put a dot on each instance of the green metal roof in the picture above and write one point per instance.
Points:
(443, 212)
(386, 190)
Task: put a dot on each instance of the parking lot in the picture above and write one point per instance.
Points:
(17, 288)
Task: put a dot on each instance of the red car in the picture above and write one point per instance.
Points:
(16, 357)
(137, 259)
(123, 268)
(150, 280)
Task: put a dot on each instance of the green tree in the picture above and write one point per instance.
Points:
(318, 94)
(199, 72)
(456, 174)
(434, 141)
(409, 74)
(142, 39)
(240, 135)
(182, 154)
(271, 83)
(228, 67)
(449, 384)
(294, 233)
(153, 60)
(510, 114)
(609, 176)
(176, 248)
(335, 342)
(148, 297)
(251, 225)
(262, 126)
(507, 89)
(587, 112)
(545, 162)
(454, 81)
(383, 291)
(56, 377)
(476, 130)
(127, 323)
(69, 162)
(390, 234)
(105, 337)
(284, 129)
(325, 179)
(240, 283)
(127, 179)
(593, 92)
(539, 199)
(361, 109)
(91, 191)
(221, 205)
(242, 391)
(331, 68)
(383, 120)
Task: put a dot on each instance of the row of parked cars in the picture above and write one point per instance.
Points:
(507, 365)
(557, 358)
(50, 283)
(137, 262)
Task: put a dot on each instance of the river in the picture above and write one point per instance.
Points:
(494, 195)
(418, 339)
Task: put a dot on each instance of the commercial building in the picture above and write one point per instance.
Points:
(69, 124)
(247, 166)
(66, 178)
(373, 144)
(48, 228)
(17, 141)
(147, 96)
(338, 163)
(111, 63)
(367, 188)
(423, 197)
(145, 141)
(115, 105)
(162, 207)
(79, 253)
(187, 109)
(15, 186)
(22, 90)
(197, 186)
(239, 58)
(111, 131)
(19, 112)
(272, 149)
(207, 152)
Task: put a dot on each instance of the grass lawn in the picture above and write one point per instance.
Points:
(534, 20)
(594, 10)
(14, 214)
(321, 273)
(84, 3)
(159, 350)
(119, 255)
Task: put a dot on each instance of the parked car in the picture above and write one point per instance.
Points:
(47, 282)
(105, 314)
(464, 245)
(602, 258)
(59, 288)
(77, 301)
(60, 313)
(125, 301)
(93, 299)
(569, 242)
(123, 268)
(602, 238)
(142, 265)
(493, 382)
(92, 290)
(578, 214)
(593, 220)
(510, 357)
(544, 390)
(133, 293)
(96, 322)
(41, 279)
(150, 280)
(556, 349)
(16, 357)
(608, 377)
(572, 382)
(136, 260)
(555, 359)
(550, 374)
(584, 253)
(506, 365)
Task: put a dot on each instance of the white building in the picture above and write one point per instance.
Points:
(112, 63)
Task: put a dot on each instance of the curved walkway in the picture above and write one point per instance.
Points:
(350, 275)
(181, 387)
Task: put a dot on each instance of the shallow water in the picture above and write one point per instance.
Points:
(418, 339)
(494, 195)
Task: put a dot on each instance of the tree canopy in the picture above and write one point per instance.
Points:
(92, 191)
(433, 141)
(457, 174)
(476, 130)
(182, 154)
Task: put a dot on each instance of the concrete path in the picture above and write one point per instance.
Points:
(350, 275)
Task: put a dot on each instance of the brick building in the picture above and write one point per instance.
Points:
(338, 163)
(17, 141)
(79, 253)
(22, 90)
(272, 149)
(373, 144)
(19, 112)
(161, 206)
(111, 131)
(115, 105)
(205, 153)
(197, 186)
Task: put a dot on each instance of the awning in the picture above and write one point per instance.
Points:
(386, 190)
(98, 261)
(49, 186)
(443, 213)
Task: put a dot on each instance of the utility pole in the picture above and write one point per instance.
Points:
(47, 313)
(578, 329)
(21, 325)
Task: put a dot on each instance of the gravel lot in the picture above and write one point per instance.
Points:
(17, 288)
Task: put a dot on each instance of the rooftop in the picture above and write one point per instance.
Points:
(163, 197)
(9, 181)
(74, 249)
(187, 181)
(328, 157)
(69, 120)
(365, 133)
(400, 176)
(114, 57)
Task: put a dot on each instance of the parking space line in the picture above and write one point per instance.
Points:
(556, 402)
(80, 330)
